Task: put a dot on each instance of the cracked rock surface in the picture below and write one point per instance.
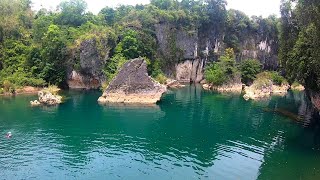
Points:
(133, 85)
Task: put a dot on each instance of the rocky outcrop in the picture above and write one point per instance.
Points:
(168, 36)
(186, 47)
(88, 74)
(265, 50)
(46, 98)
(297, 87)
(255, 93)
(133, 85)
(229, 88)
(190, 71)
(174, 84)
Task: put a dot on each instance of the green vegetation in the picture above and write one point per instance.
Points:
(300, 41)
(249, 69)
(38, 48)
(227, 71)
(268, 78)
(53, 89)
(224, 71)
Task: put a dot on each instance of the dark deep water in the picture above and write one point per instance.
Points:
(191, 134)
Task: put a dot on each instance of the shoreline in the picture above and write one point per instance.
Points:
(27, 90)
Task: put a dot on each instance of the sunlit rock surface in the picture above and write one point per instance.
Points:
(133, 85)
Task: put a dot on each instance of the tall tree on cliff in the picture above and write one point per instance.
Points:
(300, 41)
(217, 16)
(72, 13)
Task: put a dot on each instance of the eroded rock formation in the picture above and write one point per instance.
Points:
(89, 74)
(133, 85)
(190, 49)
(190, 71)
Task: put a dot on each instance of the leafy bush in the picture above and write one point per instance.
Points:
(295, 84)
(1, 90)
(113, 66)
(249, 69)
(223, 71)
(161, 78)
(155, 68)
(215, 75)
(277, 79)
(8, 86)
(104, 86)
(268, 78)
(53, 89)
(262, 82)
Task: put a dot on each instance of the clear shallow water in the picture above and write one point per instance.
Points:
(191, 134)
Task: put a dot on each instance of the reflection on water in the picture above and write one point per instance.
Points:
(190, 134)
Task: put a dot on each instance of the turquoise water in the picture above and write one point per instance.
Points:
(190, 134)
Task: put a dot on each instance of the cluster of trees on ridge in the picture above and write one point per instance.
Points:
(300, 41)
(37, 47)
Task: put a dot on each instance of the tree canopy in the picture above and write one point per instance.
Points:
(300, 40)
(41, 46)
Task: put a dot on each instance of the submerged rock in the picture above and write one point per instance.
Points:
(133, 85)
(35, 103)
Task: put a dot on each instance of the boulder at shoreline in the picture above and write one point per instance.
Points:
(132, 85)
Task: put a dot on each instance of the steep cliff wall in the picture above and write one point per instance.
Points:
(190, 71)
(87, 72)
(266, 51)
(184, 47)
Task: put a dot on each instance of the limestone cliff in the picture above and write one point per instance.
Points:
(133, 85)
(88, 74)
(185, 48)
(190, 71)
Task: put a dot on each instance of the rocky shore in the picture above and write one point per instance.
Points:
(232, 88)
(297, 87)
(132, 85)
(174, 84)
(253, 92)
(23, 90)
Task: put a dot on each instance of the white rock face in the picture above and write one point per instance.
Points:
(190, 71)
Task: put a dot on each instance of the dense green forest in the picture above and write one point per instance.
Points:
(300, 41)
(38, 48)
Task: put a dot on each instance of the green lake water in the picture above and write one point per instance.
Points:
(190, 134)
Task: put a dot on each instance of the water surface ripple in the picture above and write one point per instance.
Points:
(190, 134)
